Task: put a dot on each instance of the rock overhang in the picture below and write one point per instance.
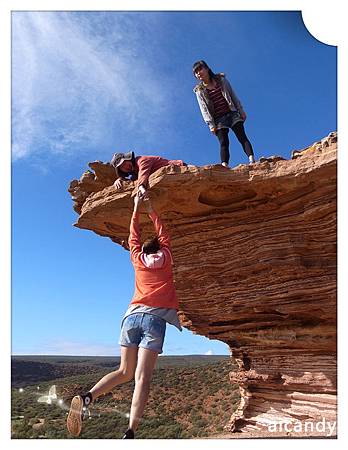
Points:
(255, 265)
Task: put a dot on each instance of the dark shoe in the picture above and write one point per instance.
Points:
(129, 434)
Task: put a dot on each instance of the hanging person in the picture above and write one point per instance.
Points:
(153, 306)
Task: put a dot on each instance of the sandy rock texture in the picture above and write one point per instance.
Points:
(255, 267)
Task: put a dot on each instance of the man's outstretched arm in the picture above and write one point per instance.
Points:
(145, 165)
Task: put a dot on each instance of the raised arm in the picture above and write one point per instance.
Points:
(162, 235)
(134, 231)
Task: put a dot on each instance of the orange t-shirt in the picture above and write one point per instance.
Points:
(154, 286)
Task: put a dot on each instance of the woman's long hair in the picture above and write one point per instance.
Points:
(197, 65)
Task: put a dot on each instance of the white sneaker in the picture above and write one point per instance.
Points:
(224, 164)
(251, 159)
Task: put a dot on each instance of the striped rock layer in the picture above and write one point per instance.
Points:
(255, 267)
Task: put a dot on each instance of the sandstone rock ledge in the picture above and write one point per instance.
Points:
(255, 267)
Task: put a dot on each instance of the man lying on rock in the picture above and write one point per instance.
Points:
(154, 304)
(139, 168)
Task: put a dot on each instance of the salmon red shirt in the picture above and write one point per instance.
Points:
(154, 284)
(146, 165)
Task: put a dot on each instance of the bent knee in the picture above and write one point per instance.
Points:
(127, 373)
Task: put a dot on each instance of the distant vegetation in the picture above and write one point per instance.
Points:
(191, 396)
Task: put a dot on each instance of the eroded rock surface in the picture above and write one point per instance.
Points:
(255, 267)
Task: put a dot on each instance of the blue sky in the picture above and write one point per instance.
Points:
(85, 85)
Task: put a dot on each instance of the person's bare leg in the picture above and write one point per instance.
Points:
(124, 373)
(106, 384)
(143, 375)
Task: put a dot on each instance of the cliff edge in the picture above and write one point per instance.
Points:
(255, 267)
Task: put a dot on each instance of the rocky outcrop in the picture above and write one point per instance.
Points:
(255, 267)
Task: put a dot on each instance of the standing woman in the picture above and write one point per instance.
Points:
(221, 109)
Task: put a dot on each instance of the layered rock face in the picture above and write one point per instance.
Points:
(255, 267)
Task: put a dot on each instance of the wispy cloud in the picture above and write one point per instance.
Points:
(76, 78)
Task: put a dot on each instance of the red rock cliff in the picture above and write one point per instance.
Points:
(255, 267)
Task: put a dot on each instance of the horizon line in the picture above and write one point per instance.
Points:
(106, 356)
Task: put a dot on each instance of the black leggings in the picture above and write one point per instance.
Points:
(239, 131)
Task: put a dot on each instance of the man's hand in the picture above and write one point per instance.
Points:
(141, 191)
(118, 183)
(213, 130)
(243, 115)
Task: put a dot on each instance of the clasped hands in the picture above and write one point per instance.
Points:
(142, 199)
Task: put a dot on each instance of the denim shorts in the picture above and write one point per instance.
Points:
(143, 330)
(228, 120)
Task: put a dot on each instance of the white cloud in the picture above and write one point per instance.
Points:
(76, 77)
(209, 352)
